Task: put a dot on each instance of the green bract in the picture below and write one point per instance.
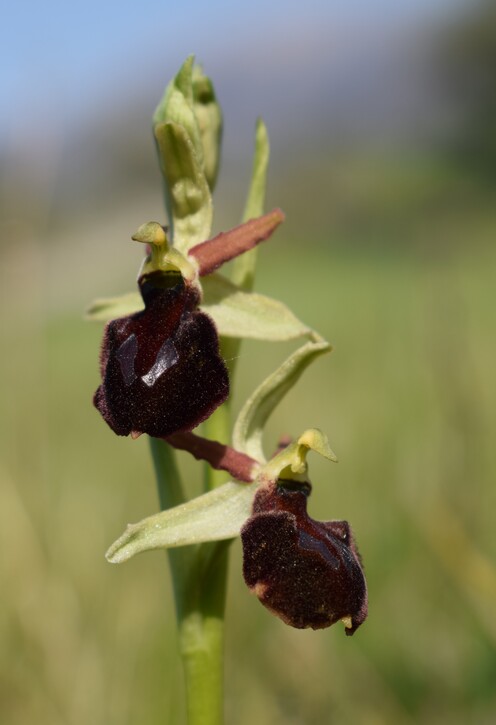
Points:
(187, 125)
(188, 199)
(217, 515)
(209, 118)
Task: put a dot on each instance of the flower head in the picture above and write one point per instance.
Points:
(161, 368)
(306, 572)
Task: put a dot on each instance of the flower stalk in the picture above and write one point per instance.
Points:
(164, 371)
(199, 575)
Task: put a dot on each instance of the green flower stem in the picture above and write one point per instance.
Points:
(199, 575)
(200, 603)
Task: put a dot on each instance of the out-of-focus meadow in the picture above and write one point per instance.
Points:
(388, 250)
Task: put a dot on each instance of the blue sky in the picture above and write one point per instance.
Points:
(59, 58)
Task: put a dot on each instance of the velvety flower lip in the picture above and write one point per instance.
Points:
(306, 572)
(161, 367)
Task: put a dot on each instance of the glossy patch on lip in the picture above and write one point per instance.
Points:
(166, 357)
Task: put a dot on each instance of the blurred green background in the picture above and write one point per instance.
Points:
(384, 159)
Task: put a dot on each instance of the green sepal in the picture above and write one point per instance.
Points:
(249, 426)
(208, 115)
(291, 462)
(214, 516)
(177, 106)
(187, 125)
(244, 266)
(189, 202)
(247, 314)
(105, 309)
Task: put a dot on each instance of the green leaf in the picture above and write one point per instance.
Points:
(109, 308)
(246, 314)
(189, 201)
(209, 118)
(215, 516)
(244, 267)
(248, 429)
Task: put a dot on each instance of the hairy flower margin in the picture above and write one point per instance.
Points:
(306, 572)
(163, 374)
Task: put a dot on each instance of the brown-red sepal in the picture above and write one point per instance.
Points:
(225, 246)
(218, 455)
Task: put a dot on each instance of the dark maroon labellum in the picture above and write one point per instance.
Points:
(306, 572)
(161, 368)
